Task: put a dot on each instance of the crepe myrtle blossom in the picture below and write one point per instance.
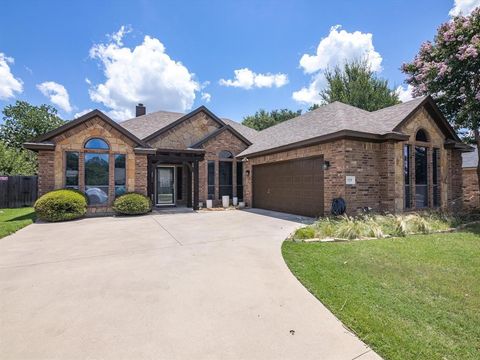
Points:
(448, 68)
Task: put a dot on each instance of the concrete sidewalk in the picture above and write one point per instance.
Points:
(208, 285)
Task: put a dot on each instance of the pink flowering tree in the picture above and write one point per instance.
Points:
(449, 70)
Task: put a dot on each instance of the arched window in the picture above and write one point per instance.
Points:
(96, 144)
(224, 154)
(421, 136)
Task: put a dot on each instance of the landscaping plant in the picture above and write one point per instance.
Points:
(132, 204)
(376, 226)
(61, 205)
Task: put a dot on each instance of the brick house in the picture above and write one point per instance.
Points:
(400, 158)
(471, 195)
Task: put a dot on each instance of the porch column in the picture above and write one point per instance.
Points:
(188, 167)
(196, 184)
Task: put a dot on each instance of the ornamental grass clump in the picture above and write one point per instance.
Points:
(376, 226)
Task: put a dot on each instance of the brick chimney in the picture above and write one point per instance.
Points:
(140, 110)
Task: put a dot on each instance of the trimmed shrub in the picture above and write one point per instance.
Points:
(304, 233)
(132, 204)
(61, 205)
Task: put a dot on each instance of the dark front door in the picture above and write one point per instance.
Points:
(294, 186)
(165, 194)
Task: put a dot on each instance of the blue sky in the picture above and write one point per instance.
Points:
(51, 49)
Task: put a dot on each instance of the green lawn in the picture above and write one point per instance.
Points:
(12, 220)
(408, 298)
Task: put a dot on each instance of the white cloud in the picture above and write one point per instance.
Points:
(56, 93)
(81, 113)
(339, 46)
(117, 37)
(247, 79)
(311, 94)
(463, 7)
(9, 84)
(143, 74)
(206, 97)
(404, 94)
(335, 49)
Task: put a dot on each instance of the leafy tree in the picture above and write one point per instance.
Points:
(23, 122)
(16, 162)
(449, 69)
(356, 84)
(264, 119)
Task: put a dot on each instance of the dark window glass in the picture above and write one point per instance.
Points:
(179, 183)
(406, 175)
(225, 155)
(225, 179)
(421, 135)
(436, 176)
(211, 179)
(96, 144)
(240, 180)
(96, 178)
(421, 177)
(71, 170)
(120, 175)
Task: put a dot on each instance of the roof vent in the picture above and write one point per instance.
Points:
(140, 110)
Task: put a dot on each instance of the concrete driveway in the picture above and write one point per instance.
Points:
(209, 285)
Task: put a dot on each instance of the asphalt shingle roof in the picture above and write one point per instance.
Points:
(329, 119)
(146, 125)
(470, 159)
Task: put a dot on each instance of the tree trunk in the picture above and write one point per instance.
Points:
(477, 142)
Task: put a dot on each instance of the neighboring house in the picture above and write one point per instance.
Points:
(470, 180)
(404, 157)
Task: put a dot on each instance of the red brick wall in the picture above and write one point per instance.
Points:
(141, 169)
(46, 172)
(471, 193)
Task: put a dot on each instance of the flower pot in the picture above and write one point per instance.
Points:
(226, 201)
(209, 204)
(241, 205)
(235, 201)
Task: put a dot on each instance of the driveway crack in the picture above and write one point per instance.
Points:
(168, 232)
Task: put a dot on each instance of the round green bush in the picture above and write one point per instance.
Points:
(61, 205)
(132, 204)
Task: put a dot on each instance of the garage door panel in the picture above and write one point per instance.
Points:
(294, 186)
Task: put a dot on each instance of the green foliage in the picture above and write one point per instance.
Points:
(132, 204)
(61, 205)
(377, 226)
(264, 119)
(449, 70)
(23, 122)
(357, 85)
(304, 233)
(16, 162)
(12, 220)
(408, 298)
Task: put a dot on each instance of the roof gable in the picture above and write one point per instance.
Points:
(78, 121)
(182, 119)
(218, 132)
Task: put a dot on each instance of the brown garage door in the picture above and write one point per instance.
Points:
(294, 186)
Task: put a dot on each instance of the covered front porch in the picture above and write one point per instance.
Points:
(173, 177)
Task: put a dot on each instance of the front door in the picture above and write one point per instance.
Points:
(165, 185)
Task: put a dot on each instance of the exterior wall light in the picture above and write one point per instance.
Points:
(247, 172)
(326, 165)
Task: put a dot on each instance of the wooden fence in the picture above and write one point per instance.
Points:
(17, 191)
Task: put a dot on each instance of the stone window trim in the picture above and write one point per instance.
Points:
(430, 147)
(95, 150)
(81, 170)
